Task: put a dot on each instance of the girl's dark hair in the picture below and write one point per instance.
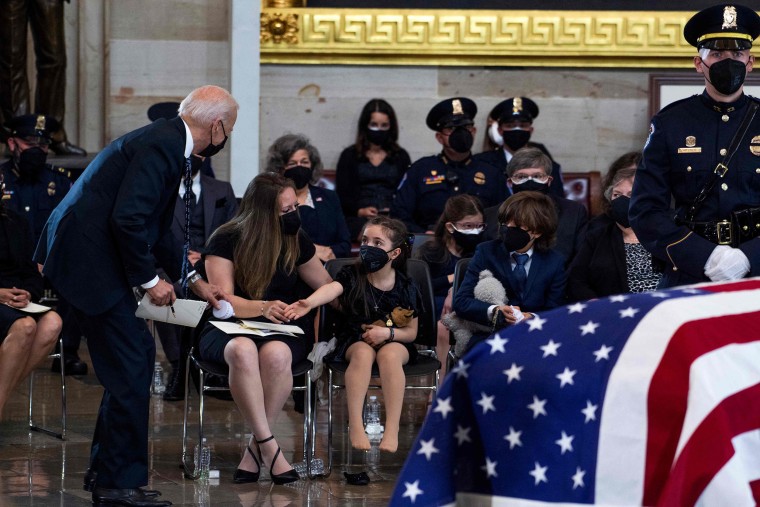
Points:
(622, 168)
(400, 238)
(456, 208)
(285, 146)
(535, 211)
(376, 106)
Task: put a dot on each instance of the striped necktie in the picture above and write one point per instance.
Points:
(186, 247)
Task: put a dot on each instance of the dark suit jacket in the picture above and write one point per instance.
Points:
(101, 239)
(545, 287)
(571, 223)
(325, 223)
(18, 270)
(599, 269)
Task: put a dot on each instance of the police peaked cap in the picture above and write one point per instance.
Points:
(33, 125)
(453, 112)
(724, 26)
(516, 108)
(166, 110)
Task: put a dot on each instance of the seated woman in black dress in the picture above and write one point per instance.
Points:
(611, 260)
(369, 171)
(25, 339)
(259, 257)
(459, 230)
(293, 156)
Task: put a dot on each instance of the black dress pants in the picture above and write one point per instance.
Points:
(123, 353)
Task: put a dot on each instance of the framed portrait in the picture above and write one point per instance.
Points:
(665, 89)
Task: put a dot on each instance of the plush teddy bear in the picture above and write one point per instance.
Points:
(489, 290)
(399, 317)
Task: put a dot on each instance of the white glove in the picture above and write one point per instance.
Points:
(726, 263)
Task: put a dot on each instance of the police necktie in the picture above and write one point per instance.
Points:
(186, 247)
(520, 274)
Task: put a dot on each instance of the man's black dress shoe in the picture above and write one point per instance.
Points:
(73, 366)
(134, 497)
(89, 484)
(66, 148)
(175, 391)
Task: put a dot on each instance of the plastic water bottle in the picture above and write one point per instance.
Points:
(372, 427)
(202, 459)
(158, 380)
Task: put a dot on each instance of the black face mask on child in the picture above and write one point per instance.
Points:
(513, 238)
(373, 258)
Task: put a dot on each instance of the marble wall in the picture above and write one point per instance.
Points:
(128, 54)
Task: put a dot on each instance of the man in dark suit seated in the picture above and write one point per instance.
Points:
(102, 240)
(511, 130)
(213, 203)
(531, 169)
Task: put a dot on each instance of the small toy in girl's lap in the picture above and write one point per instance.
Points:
(399, 317)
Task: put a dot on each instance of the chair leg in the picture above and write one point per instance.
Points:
(186, 469)
(34, 427)
(329, 422)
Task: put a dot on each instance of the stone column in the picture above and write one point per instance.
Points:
(245, 85)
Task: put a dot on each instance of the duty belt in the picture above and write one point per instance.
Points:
(741, 226)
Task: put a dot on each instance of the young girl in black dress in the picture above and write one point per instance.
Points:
(379, 303)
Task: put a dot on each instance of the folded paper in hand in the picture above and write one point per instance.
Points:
(256, 328)
(187, 312)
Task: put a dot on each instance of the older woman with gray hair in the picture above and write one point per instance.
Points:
(611, 260)
(294, 157)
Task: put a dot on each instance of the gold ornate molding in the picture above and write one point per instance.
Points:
(482, 38)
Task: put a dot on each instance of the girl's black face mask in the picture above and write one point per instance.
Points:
(373, 258)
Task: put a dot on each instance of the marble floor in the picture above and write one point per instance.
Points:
(40, 470)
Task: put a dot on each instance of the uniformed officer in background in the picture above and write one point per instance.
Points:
(430, 181)
(511, 130)
(33, 188)
(712, 233)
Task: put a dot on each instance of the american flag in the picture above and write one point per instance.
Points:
(637, 399)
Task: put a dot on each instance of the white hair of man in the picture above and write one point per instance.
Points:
(206, 104)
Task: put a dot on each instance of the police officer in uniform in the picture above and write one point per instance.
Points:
(33, 188)
(430, 181)
(511, 130)
(698, 157)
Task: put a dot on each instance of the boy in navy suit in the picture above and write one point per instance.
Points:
(522, 260)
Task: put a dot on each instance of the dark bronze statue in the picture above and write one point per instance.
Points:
(45, 18)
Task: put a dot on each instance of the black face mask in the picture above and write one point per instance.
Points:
(290, 223)
(31, 162)
(619, 210)
(300, 174)
(727, 76)
(461, 140)
(212, 149)
(515, 139)
(196, 163)
(531, 185)
(467, 242)
(513, 238)
(378, 137)
(373, 258)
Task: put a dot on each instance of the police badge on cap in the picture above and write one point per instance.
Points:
(724, 26)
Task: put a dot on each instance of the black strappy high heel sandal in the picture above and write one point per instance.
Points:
(244, 476)
(283, 478)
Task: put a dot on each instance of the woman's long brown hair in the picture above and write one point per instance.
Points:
(261, 244)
